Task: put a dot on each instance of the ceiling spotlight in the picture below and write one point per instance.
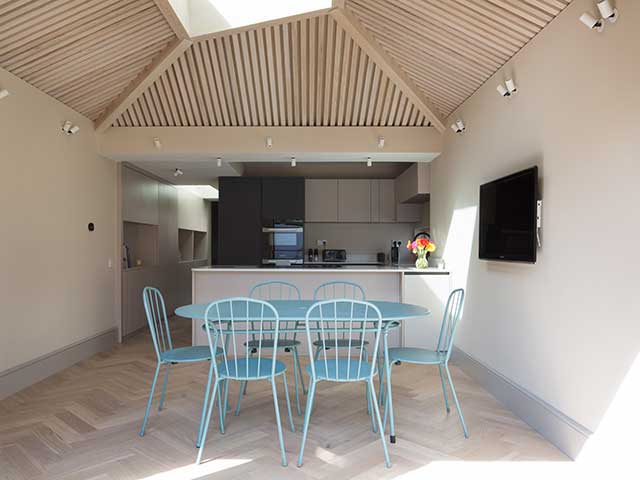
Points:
(219, 162)
(608, 11)
(4, 93)
(157, 143)
(592, 22)
(177, 172)
(269, 142)
(381, 142)
(293, 161)
(458, 126)
(369, 161)
(69, 128)
(508, 89)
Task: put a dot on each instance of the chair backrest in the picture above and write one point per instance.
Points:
(278, 290)
(231, 323)
(338, 319)
(157, 317)
(339, 289)
(452, 314)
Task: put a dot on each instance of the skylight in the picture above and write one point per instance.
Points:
(203, 191)
(208, 16)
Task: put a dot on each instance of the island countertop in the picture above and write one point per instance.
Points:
(329, 268)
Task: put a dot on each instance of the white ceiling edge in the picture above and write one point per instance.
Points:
(206, 192)
(201, 17)
(237, 159)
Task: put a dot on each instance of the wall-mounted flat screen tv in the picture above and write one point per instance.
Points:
(508, 208)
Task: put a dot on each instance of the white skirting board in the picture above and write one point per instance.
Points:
(22, 376)
(565, 433)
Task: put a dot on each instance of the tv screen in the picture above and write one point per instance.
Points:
(508, 217)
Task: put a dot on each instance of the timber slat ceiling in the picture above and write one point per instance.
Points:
(308, 72)
(82, 52)
(451, 47)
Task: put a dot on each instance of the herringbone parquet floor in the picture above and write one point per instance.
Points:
(83, 424)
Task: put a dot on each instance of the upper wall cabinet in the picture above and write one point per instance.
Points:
(354, 200)
(193, 213)
(414, 184)
(321, 200)
(283, 199)
(383, 201)
(139, 198)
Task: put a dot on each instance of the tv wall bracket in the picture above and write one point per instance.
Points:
(538, 221)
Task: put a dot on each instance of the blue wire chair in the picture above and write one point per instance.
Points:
(332, 319)
(230, 325)
(156, 313)
(440, 357)
(278, 290)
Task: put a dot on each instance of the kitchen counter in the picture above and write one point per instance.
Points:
(325, 268)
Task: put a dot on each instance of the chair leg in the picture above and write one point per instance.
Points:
(444, 390)
(300, 375)
(455, 399)
(153, 387)
(204, 405)
(317, 354)
(221, 404)
(286, 396)
(226, 397)
(203, 440)
(388, 405)
(243, 385)
(295, 381)
(369, 409)
(164, 387)
(380, 380)
(307, 416)
(278, 424)
(376, 410)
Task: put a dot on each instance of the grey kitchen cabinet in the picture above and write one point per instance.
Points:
(383, 201)
(409, 212)
(139, 198)
(321, 200)
(354, 200)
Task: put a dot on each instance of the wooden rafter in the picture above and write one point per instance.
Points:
(388, 65)
(140, 84)
(172, 18)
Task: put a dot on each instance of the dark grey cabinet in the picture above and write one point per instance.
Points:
(282, 199)
(240, 221)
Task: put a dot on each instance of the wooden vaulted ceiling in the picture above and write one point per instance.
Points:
(81, 52)
(365, 63)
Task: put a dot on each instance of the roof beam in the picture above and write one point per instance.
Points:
(172, 18)
(364, 39)
(141, 83)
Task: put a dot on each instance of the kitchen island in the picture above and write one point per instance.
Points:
(406, 284)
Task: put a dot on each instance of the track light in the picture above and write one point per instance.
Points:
(380, 142)
(157, 143)
(269, 142)
(293, 161)
(4, 93)
(508, 88)
(369, 163)
(177, 172)
(219, 162)
(69, 128)
(458, 126)
(607, 12)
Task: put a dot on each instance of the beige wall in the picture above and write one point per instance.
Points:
(568, 328)
(55, 285)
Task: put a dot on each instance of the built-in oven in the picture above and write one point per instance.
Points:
(283, 244)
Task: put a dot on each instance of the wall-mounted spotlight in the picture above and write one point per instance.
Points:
(177, 172)
(157, 143)
(380, 142)
(219, 162)
(293, 161)
(4, 93)
(508, 88)
(69, 128)
(369, 163)
(607, 12)
(269, 142)
(458, 126)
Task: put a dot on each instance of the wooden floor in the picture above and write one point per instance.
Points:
(83, 424)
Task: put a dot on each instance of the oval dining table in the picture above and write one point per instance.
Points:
(393, 314)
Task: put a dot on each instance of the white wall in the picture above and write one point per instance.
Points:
(568, 328)
(55, 286)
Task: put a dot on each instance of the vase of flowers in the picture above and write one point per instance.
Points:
(421, 247)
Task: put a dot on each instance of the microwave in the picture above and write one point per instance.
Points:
(283, 244)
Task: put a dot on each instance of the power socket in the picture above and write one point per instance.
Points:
(321, 243)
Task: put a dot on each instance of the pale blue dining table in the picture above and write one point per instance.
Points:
(393, 313)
